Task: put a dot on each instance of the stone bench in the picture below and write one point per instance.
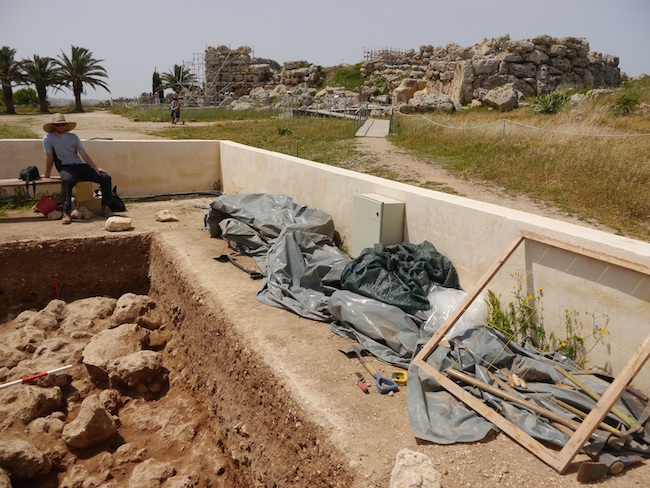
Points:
(83, 190)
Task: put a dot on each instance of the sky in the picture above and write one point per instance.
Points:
(136, 37)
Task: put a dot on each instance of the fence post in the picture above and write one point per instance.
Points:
(296, 148)
(503, 135)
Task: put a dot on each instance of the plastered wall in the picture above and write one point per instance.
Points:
(138, 168)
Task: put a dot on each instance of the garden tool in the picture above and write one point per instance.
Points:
(254, 275)
(384, 385)
(607, 464)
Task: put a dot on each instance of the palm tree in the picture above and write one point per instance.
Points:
(178, 78)
(79, 69)
(10, 72)
(42, 72)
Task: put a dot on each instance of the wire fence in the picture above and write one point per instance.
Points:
(502, 123)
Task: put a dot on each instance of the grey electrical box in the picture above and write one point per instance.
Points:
(375, 219)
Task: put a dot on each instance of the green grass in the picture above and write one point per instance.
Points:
(328, 141)
(160, 113)
(16, 131)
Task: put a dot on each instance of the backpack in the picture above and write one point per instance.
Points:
(117, 205)
(30, 173)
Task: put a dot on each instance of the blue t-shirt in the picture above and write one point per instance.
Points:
(66, 147)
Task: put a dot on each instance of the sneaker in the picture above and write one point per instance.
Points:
(108, 212)
(66, 219)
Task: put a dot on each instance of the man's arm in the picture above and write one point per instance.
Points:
(86, 157)
(49, 161)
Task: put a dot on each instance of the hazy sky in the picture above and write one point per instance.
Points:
(135, 37)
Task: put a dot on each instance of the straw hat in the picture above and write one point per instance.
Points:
(59, 119)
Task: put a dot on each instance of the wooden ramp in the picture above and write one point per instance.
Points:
(374, 128)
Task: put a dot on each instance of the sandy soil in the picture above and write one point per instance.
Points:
(288, 355)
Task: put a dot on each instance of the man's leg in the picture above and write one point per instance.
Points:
(105, 183)
(68, 181)
(86, 173)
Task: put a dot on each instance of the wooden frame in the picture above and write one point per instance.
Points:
(559, 460)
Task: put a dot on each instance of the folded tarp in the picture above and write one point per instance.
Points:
(399, 275)
(293, 245)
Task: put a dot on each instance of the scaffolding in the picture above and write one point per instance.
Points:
(221, 73)
(384, 54)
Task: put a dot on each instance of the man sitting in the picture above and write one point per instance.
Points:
(67, 147)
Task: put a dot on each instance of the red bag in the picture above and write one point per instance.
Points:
(45, 205)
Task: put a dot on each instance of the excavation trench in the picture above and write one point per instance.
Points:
(262, 435)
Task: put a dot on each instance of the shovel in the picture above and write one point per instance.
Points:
(254, 275)
(384, 385)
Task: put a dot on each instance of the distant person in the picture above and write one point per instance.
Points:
(175, 110)
(69, 150)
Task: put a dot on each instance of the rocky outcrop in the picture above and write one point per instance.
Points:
(66, 430)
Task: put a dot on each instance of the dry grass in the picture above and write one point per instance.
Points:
(572, 158)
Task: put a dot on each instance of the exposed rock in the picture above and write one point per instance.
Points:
(141, 367)
(118, 224)
(56, 307)
(46, 425)
(94, 424)
(503, 98)
(5, 482)
(151, 474)
(430, 102)
(10, 356)
(414, 470)
(22, 404)
(27, 338)
(166, 216)
(22, 460)
(109, 345)
(407, 88)
(137, 309)
(79, 477)
(44, 320)
(110, 399)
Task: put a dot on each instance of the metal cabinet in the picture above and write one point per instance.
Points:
(375, 219)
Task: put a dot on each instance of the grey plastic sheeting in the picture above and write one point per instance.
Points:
(294, 248)
(437, 416)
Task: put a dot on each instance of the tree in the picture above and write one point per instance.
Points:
(26, 97)
(10, 73)
(178, 78)
(157, 86)
(79, 69)
(42, 72)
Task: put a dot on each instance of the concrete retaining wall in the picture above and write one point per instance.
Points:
(138, 168)
(473, 235)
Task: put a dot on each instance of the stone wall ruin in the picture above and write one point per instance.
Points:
(496, 72)
(532, 66)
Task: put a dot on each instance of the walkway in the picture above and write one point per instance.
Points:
(374, 128)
